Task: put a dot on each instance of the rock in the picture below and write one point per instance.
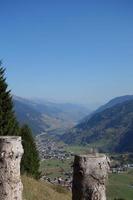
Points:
(89, 178)
(10, 156)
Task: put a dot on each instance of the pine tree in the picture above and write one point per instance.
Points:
(8, 122)
(30, 159)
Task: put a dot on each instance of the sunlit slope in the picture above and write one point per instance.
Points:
(37, 190)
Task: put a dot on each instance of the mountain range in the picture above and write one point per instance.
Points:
(44, 116)
(109, 128)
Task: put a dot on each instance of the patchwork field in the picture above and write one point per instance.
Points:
(54, 168)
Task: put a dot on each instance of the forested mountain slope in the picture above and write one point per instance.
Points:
(109, 130)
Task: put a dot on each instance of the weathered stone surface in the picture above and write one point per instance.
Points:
(10, 156)
(89, 178)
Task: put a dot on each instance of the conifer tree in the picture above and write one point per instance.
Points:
(10, 126)
(30, 159)
(8, 122)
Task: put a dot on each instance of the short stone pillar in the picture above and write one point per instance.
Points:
(11, 152)
(89, 177)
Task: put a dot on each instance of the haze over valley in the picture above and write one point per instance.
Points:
(108, 128)
(45, 116)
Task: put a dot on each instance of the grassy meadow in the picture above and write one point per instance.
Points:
(37, 190)
(120, 186)
(55, 168)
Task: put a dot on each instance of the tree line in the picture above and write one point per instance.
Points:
(9, 126)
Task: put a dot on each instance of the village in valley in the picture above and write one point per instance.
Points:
(57, 162)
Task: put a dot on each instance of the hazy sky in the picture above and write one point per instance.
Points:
(68, 50)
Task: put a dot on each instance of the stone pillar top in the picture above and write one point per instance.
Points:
(10, 138)
(11, 143)
(95, 155)
(89, 177)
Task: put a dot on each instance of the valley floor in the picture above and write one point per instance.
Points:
(120, 186)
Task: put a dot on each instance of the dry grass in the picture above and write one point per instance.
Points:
(36, 190)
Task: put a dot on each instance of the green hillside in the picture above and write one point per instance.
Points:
(110, 130)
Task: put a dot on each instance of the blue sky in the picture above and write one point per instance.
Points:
(68, 50)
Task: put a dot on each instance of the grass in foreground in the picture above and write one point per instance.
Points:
(37, 190)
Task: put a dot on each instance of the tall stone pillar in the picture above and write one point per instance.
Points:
(89, 178)
(10, 156)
